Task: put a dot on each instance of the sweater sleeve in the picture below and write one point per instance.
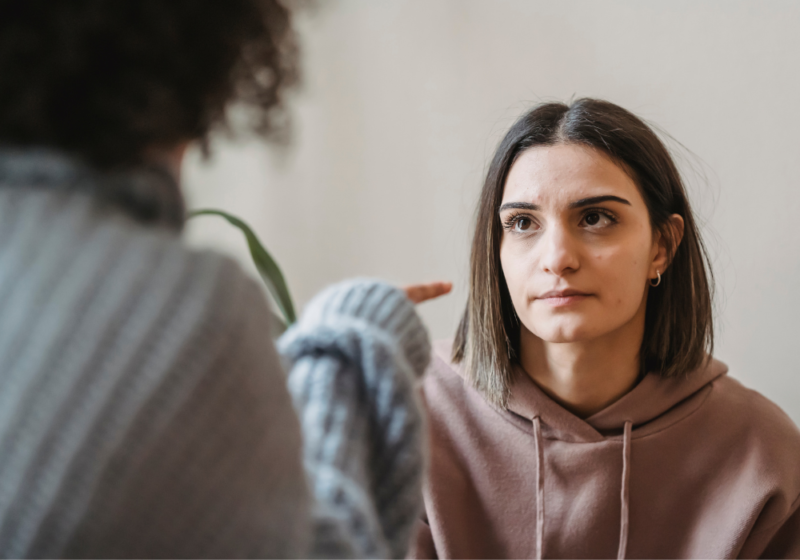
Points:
(354, 358)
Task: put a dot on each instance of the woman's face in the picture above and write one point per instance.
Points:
(577, 248)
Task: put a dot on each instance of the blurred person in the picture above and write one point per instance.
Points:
(143, 408)
(579, 412)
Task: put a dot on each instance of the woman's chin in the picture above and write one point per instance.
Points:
(565, 333)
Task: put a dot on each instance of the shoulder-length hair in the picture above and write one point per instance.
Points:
(678, 326)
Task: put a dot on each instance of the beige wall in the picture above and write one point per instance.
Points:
(404, 101)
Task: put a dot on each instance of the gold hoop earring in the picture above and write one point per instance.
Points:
(657, 281)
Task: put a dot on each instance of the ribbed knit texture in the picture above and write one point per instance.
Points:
(143, 408)
(356, 355)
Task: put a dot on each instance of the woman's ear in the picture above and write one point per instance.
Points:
(671, 238)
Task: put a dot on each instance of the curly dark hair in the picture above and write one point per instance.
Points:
(108, 79)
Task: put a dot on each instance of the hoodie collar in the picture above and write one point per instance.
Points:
(652, 397)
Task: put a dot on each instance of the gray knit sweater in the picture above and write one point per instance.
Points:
(143, 408)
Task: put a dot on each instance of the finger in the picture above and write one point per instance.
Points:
(418, 293)
(423, 292)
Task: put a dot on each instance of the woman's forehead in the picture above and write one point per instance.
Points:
(557, 175)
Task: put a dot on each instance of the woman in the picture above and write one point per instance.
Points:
(579, 414)
(143, 408)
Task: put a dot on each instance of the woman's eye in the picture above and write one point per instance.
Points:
(522, 224)
(597, 219)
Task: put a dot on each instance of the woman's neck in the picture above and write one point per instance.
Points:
(585, 377)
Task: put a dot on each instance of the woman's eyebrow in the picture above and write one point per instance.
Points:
(577, 204)
(597, 199)
(518, 205)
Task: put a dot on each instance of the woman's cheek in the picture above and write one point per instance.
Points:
(517, 288)
(625, 281)
(516, 269)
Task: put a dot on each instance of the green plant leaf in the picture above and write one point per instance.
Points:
(267, 267)
(278, 324)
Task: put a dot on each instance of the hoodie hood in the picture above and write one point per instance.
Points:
(646, 406)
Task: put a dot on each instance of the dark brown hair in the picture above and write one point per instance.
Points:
(106, 80)
(678, 332)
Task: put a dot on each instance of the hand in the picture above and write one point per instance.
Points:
(418, 293)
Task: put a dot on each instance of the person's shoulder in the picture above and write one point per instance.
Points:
(754, 409)
(758, 432)
(442, 370)
(758, 424)
(445, 386)
(205, 283)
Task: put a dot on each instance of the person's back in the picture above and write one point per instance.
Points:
(127, 365)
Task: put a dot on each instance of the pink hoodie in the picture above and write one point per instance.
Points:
(701, 467)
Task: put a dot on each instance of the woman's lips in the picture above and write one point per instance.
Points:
(563, 298)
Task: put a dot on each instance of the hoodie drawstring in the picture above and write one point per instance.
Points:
(626, 475)
(537, 433)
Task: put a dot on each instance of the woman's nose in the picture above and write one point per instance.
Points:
(559, 251)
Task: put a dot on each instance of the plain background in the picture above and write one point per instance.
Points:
(403, 102)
